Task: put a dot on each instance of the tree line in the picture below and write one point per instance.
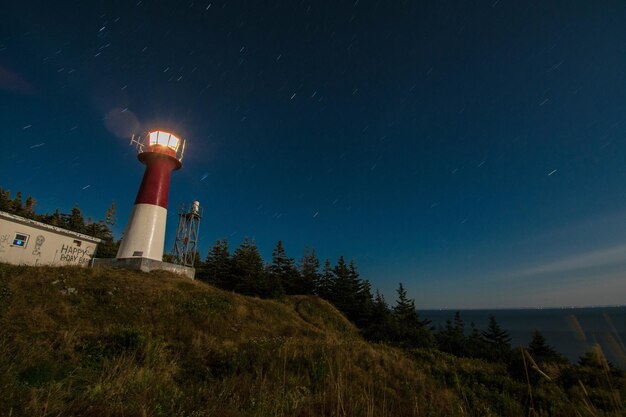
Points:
(245, 272)
(74, 220)
(400, 324)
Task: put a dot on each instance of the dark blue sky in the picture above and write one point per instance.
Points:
(472, 150)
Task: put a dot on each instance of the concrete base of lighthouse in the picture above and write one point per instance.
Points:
(144, 265)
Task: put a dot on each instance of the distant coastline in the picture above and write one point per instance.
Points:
(605, 325)
(521, 308)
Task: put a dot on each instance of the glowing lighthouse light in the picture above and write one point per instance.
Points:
(144, 237)
(164, 139)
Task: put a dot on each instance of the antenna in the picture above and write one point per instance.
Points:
(138, 141)
(182, 152)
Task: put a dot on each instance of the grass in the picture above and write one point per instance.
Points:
(83, 342)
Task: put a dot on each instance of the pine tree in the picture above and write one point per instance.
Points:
(75, 220)
(452, 338)
(475, 346)
(498, 340)
(90, 227)
(55, 219)
(345, 288)
(102, 229)
(326, 285)
(380, 304)
(594, 358)
(380, 323)
(109, 246)
(16, 204)
(410, 330)
(541, 351)
(363, 297)
(283, 270)
(444, 337)
(5, 200)
(110, 218)
(198, 264)
(404, 309)
(309, 270)
(29, 207)
(217, 269)
(459, 325)
(250, 277)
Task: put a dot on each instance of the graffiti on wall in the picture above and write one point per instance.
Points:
(75, 255)
(38, 243)
(3, 241)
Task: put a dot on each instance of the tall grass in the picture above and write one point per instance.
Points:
(130, 344)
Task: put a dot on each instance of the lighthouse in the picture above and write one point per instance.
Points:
(144, 236)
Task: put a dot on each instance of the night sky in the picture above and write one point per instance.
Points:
(473, 150)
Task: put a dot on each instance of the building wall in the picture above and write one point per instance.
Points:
(45, 245)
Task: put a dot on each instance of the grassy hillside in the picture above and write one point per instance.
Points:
(116, 343)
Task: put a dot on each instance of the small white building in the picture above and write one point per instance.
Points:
(29, 242)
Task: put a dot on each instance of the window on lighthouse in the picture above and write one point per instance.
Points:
(164, 139)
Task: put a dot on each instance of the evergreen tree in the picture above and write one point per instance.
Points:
(452, 338)
(56, 219)
(326, 284)
(595, 359)
(29, 207)
(410, 330)
(475, 346)
(217, 269)
(75, 220)
(249, 273)
(404, 309)
(458, 336)
(541, 351)
(110, 218)
(363, 297)
(593, 371)
(380, 325)
(97, 229)
(497, 340)
(591, 359)
(459, 325)
(345, 288)
(109, 247)
(309, 271)
(444, 337)
(283, 270)
(197, 261)
(16, 204)
(5, 200)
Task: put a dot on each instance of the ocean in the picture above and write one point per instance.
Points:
(572, 331)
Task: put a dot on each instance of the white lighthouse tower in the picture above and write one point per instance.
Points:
(144, 237)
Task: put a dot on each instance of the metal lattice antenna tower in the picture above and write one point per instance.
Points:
(186, 244)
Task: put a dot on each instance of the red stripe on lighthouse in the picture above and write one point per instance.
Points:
(155, 185)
